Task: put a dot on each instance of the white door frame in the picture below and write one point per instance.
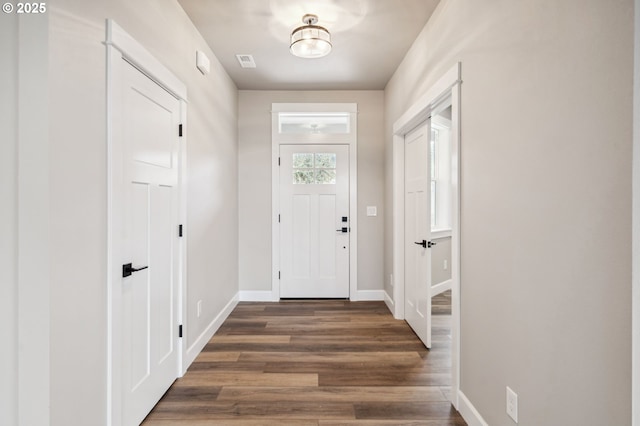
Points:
(121, 46)
(448, 86)
(350, 139)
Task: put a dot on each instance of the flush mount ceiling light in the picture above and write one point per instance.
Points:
(310, 40)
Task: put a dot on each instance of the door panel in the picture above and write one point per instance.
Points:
(314, 196)
(417, 231)
(150, 191)
(326, 236)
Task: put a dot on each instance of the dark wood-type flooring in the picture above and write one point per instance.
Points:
(316, 362)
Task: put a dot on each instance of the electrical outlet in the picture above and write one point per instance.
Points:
(445, 265)
(512, 404)
(199, 308)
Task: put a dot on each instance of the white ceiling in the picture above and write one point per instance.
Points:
(369, 37)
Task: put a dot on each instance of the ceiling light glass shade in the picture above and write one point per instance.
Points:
(310, 41)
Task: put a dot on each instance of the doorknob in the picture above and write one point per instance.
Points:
(425, 243)
(342, 230)
(127, 269)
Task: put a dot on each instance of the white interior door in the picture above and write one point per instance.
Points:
(314, 221)
(150, 207)
(418, 232)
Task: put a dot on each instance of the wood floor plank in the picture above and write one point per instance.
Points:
(383, 378)
(231, 422)
(217, 356)
(241, 378)
(405, 410)
(313, 363)
(395, 357)
(256, 367)
(333, 394)
(397, 422)
(439, 366)
(266, 339)
(254, 410)
(191, 393)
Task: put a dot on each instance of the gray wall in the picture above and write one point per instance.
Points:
(8, 219)
(546, 200)
(24, 190)
(78, 187)
(254, 160)
(636, 219)
(439, 253)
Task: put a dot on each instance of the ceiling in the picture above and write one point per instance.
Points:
(369, 37)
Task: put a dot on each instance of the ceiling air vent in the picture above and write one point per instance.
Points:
(246, 61)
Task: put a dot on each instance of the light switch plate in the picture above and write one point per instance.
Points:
(372, 211)
(512, 404)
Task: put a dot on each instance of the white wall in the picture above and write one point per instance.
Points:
(546, 200)
(78, 187)
(255, 182)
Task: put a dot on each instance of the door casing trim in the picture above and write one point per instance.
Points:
(448, 86)
(350, 139)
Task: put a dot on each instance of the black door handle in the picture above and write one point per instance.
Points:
(342, 230)
(425, 243)
(127, 269)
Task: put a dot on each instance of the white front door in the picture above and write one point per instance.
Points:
(150, 239)
(418, 233)
(314, 221)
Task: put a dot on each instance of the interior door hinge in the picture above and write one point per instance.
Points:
(180, 330)
(180, 130)
(179, 230)
(278, 161)
(278, 274)
(278, 218)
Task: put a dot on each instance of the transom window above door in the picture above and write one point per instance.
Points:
(314, 123)
(314, 168)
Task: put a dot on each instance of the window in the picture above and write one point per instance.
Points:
(314, 168)
(433, 157)
(314, 123)
(440, 166)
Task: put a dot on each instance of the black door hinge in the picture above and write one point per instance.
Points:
(278, 161)
(278, 274)
(278, 218)
(179, 230)
(180, 130)
(180, 330)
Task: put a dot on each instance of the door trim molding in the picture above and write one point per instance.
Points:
(351, 140)
(120, 45)
(448, 86)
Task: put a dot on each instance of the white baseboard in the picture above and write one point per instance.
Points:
(256, 296)
(268, 296)
(469, 412)
(194, 350)
(390, 303)
(440, 287)
(370, 295)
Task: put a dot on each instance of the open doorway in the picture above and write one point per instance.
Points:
(436, 234)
